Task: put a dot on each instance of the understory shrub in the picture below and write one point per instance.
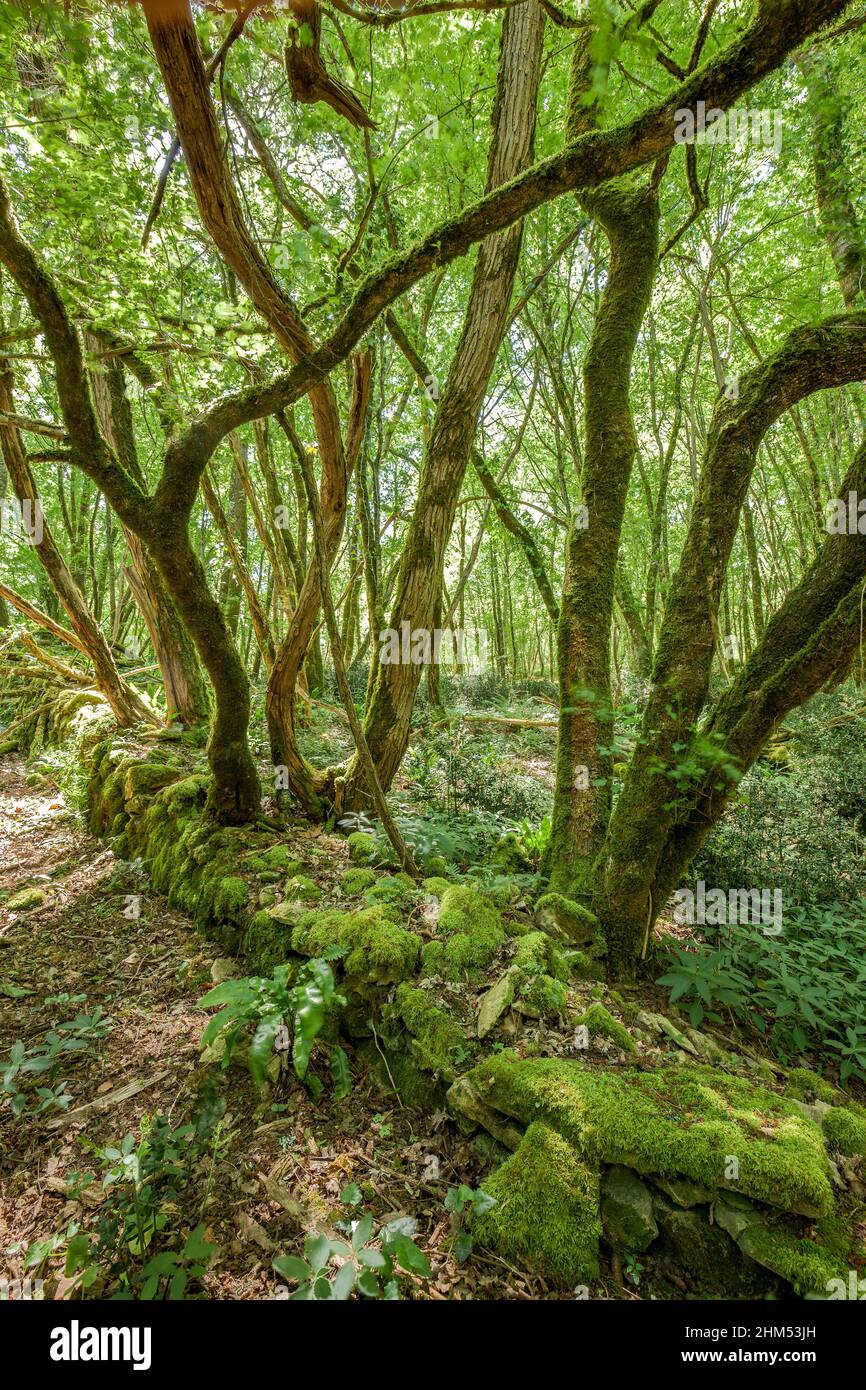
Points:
(804, 989)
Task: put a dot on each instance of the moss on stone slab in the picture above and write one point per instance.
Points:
(546, 1214)
(680, 1120)
(803, 1264)
(563, 917)
(230, 898)
(627, 1211)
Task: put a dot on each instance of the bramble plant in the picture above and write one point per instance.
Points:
(370, 1262)
(272, 1005)
(461, 1202)
(45, 1058)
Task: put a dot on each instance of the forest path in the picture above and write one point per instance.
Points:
(274, 1168)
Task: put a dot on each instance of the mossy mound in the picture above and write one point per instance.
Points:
(436, 1037)
(545, 1216)
(355, 881)
(677, 1120)
(470, 935)
(380, 951)
(362, 847)
(845, 1129)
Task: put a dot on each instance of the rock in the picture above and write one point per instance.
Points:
(627, 1211)
(705, 1251)
(682, 1120)
(566, 919)
(602, 1024)
(707, 1048)
(494, 1003)
(224, 968)
(25, 900)
(734, 1214)
(682, 1191)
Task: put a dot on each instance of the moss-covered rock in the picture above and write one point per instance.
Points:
(627, 1211)
(25, 900)
(545, 1216)
(845, 1131)
(266, 943)
(362, 847)
(602, 1024)
(304, 888)
(355, 881)
(470, 935)
(806, 1085)
(435, 886)
(281, 857)
(230, 897)
(564, 918)
(803, 1264)
(436, 1036)
(676, 1120)
(380, 951)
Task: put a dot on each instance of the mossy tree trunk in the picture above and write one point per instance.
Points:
(629, 216)
(654, 799)
(446, 457)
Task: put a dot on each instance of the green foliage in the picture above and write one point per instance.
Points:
(271, 1006)
(142, 1177)
(804, 989)
(464, 1202)
(371, 1261)
(45, 1059)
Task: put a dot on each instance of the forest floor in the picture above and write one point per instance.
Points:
(271, 1173)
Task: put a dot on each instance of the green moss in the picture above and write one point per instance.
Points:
(395, 1072)
(362, 847)
(546, 1212)
(540, 996)
(436, 886)
(680, 1120)
(354, 881)
(472, 932)
(230, 897)
(304, 888)
(436, 1036)
(536, 952)
(805, 1265)
(845, 1131)
(25, 900)
(380, 951)
(564, 917)
(806, 1085)
(583, 967)
(397, 890)
(187, 791)
(278, 857)
(603, 1024)
(266, 943)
